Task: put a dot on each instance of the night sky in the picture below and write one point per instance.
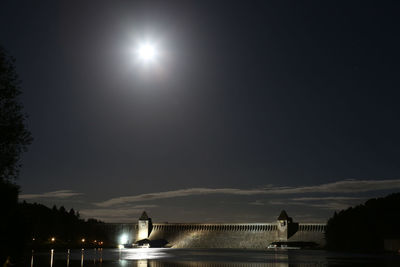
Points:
(250, 108)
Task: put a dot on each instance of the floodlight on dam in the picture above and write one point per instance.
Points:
(123, 239)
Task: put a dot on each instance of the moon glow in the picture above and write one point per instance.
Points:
(147, 52)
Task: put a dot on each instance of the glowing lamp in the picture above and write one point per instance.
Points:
(123, 239)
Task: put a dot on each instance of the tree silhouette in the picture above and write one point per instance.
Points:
(14, 136)
(24, 224)
(14, 139)
(365, 227)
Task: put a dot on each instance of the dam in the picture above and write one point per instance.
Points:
(220, 235)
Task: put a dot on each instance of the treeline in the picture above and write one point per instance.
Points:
(58, 227)
(25, 225)
(365, 227)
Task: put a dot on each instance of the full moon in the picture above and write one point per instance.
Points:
(147, 52)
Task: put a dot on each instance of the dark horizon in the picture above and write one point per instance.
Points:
(250, 109)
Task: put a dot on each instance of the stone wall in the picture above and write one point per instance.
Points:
(237, 235)
(310, 232)
(215, 235)
(250, 236)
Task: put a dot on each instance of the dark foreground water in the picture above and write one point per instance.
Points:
(146, 257)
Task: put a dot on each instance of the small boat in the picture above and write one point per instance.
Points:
(146, 245)
(121, 246)
(283, 245)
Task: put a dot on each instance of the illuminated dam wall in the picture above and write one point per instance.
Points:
(223, 235)
(246, 235)
(215, 235)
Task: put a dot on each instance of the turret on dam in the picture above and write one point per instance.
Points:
(225, 235)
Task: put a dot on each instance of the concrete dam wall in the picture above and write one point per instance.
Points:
(247, 236)
(215, 235)
(224, 235)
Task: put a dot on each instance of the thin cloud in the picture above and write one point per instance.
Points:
(326, 198)
(53, 194)
(145, 206)
(345, 186)
(257, 203)
(329, 203)
(278, 202)
(176, 193)
(333, 205)
(115, 215)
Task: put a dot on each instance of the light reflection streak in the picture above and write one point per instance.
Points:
(32, 259)
(82, 258)
(123, 263)
(51, 257)
(68, 254)
(144, 253)
(142, 263)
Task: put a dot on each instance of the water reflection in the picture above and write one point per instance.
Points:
(32, 259)
(145, 253)
(82, 257)
(68, 253)
(143, 263)
(204, 258)
(51, 257)
(94, 259)
(148, 263)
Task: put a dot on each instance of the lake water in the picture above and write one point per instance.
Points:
(157, 257)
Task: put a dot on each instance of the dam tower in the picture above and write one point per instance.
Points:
(286, 226)
(144, 226)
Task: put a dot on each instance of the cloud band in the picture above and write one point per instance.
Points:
(345, 186)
